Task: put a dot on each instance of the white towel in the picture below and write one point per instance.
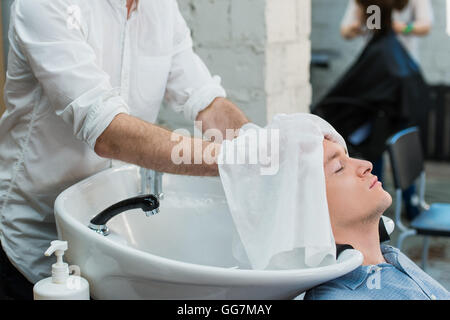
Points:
(278, 202)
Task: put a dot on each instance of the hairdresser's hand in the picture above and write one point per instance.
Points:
(399, 27)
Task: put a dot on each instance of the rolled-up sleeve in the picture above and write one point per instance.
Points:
(66, 66)
(352, 14)
(423, 11)
(190, 87)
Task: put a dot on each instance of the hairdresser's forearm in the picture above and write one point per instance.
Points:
(418, 28)
(135, 141)
(421, 28)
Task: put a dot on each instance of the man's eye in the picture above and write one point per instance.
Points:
(339, 170)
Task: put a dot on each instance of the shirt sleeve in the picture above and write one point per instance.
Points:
(423, 11)
(351, 15)
(190, 87)
(51, 37)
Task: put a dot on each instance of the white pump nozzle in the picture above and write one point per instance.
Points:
(56, 245)
(60, 270)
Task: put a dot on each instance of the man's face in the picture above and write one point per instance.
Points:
(354, 194)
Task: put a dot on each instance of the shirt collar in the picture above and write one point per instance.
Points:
(118, 3)
(360, 275)
(123, 3)
(388, 249)
(390, 254)
(356, 278)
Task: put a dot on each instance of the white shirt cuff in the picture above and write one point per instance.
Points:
(100, 117)
(201, 98)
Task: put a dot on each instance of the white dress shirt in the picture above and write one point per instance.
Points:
(74, 65)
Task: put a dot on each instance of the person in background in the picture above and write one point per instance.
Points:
(410, 19)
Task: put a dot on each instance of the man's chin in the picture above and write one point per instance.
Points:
(385, 202)
(389, 198)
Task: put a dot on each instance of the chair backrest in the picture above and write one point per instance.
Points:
(407, 159)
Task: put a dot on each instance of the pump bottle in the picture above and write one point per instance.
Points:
(61, 285)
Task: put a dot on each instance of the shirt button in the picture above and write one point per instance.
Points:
(433, 297)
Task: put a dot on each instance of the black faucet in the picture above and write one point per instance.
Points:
(148, 203)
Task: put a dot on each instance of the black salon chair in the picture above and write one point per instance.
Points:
(407, 162)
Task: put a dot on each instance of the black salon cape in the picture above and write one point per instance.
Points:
(385, 87)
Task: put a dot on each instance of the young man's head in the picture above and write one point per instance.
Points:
(355, 196)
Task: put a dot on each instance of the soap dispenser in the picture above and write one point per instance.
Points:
(61, 285)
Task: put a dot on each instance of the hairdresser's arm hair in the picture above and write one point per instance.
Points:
(133, 140)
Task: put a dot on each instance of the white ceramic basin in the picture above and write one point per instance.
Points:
(184, 252)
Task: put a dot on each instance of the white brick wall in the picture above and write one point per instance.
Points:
(435, 48)
(261, 50)
(281, 20)
(288, 56)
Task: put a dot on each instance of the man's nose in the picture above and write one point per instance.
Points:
(364, 168)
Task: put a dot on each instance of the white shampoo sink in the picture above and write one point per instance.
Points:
(184, 252)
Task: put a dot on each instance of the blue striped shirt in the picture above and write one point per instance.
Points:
(398, 279)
